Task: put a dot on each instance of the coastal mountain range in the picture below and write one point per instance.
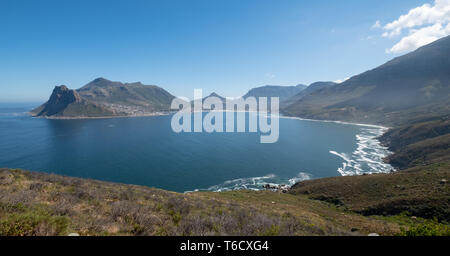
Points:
(410, 87)
(410, 93)
(105, 98)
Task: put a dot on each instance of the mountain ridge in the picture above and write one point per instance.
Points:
(105, 98)
(389, 94)
(282, 92)
(308, 90)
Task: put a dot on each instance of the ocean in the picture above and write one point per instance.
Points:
(145, 151)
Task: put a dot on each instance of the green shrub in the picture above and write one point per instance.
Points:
(427, 228)
(274, 230)
(35, 222)
(176, 217)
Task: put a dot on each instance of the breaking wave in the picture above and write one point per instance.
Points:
(368, 156)
(256, 183)
(366, 159)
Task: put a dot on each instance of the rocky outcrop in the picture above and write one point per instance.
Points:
(277, 188)
(67, 103)
(59, 100)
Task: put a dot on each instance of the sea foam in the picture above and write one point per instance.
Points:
(257, 183)
(368, 156)
(366, 159)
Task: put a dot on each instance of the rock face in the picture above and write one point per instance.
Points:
(277, 188)
(60, 99)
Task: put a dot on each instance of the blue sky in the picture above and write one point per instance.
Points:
(224, 46)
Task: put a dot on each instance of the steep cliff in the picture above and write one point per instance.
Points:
(68, 103)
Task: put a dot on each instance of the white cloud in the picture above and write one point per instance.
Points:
(376, 25)
(341, 80)
(420, 37)
(425, 24)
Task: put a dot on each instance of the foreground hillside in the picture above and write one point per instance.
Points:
(34, 203)
(418, 191)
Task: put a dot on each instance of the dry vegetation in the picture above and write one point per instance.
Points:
(419, 191)
(33, 203)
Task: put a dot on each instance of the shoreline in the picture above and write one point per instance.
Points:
(335, 121)
(99, 117)
(383, 129)
(169, 113)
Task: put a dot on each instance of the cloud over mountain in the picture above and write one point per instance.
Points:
(424, 24)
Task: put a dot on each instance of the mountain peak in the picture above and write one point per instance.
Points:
(62, 94)
(60, 88)
(99, 82)
(100, 79)
(214, 95)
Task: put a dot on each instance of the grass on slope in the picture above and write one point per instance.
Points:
(34, 203)
(419, 144)
(419, 191)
